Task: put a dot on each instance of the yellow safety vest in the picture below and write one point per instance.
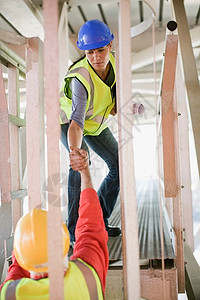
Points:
(77, 285)
(100, 99)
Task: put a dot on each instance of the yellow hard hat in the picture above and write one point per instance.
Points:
(30, 241)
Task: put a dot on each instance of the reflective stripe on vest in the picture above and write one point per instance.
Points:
(89, 278)
(86, 74)
(10, 291)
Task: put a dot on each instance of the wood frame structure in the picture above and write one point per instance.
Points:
(143, 280)
(11, 173)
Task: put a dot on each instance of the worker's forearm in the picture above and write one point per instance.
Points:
(75, 135)
(86, 181)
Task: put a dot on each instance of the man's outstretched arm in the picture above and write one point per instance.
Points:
(91, 235)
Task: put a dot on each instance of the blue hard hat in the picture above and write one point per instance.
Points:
(94, 34)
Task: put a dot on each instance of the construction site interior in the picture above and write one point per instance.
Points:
(157, 48)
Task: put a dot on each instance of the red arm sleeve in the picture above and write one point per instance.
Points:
(15, 271)
(91, 235)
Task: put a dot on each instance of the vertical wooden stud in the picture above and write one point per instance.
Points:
(168, 116)
(51, 71)
(13, 99)
(127, 180)
(5, 175)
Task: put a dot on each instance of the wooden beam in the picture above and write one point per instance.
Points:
(189, 70)
(51, 71)
(63, 38)
(127, 180)
(33, 122)
(185, 166)
(5, 162)
(14, 109)
(178, 208)
(167, 94)
(171, 155)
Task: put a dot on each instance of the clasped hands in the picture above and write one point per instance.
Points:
(78, 159)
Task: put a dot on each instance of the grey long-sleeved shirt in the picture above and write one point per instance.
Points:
(79, 101)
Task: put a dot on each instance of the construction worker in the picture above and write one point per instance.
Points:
(85, 273)
(88, 97)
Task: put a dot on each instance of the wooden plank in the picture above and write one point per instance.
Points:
(190, 71)
(51, 71)
(5, 173)
(171, 155)
(170, 182)
(14, 109)
(183, 122)
(64, 46)
(64, 42)
(178, 208)
(126, 158)
(33, 122)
